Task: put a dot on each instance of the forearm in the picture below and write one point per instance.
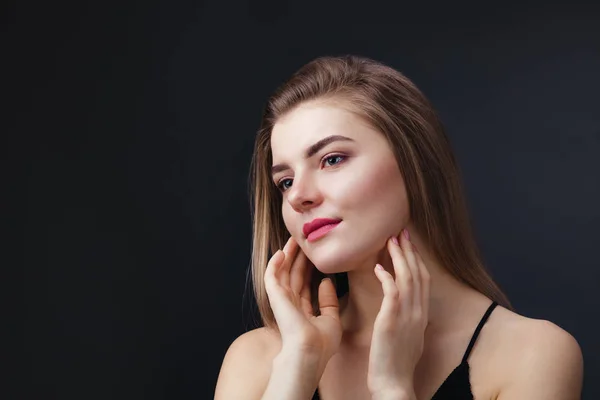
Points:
(395, 394)
(293, 377)
(394, 397)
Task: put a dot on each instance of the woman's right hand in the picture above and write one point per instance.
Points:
(287, 282)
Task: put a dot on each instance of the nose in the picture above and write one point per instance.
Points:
(304, 194)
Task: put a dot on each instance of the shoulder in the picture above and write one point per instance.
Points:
(539, 359)
(535, 340)
(257, 342)
(246, 367)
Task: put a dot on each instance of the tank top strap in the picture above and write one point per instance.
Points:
(478, 330)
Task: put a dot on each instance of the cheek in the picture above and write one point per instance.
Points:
(286, 213)
(292, 221)
(371, 197)
(375, 203)
(372, 187)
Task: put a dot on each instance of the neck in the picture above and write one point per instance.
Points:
(361, 306)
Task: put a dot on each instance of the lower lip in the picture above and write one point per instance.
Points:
(319, 233)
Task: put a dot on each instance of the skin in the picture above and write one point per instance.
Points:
(359, 181)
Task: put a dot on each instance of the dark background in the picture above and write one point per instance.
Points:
(128, 131)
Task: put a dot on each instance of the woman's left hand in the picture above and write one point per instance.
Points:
(398, 331)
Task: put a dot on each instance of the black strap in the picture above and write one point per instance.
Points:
(478, 329)
(316, 395)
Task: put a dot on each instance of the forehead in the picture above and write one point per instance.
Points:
(308, 123)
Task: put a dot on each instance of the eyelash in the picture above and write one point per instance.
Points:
(327, 157)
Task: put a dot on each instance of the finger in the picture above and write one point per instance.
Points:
(403, 274)
(305, 292)
(425, 285)
(290, 251)
(391, 295)
(271, 282)
(297, 271)
(270, 277)
(328, 301)
(409, 252)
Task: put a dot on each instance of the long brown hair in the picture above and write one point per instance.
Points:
(394, 106)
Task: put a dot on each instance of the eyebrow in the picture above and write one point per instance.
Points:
(312, 150)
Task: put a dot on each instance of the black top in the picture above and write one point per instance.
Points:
(457, 385)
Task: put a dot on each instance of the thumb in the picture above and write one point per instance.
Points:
(328, 301)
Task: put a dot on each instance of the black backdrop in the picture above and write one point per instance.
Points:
(128, 133)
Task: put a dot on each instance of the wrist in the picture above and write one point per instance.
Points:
(396, 393)
(296, 357)
(293, 376)
(301, 365)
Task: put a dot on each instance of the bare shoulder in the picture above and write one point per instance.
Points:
(246, 366)
(531, 338)
(538, 358)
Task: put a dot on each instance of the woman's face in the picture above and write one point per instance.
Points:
(352, 177)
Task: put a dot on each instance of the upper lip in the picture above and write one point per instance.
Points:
(317, 223)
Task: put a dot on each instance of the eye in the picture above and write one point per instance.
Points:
(333, 160)
(284, 184)
(329, 161)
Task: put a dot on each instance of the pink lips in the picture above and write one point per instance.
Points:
(319, 227)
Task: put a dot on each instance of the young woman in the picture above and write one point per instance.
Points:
(355, 181)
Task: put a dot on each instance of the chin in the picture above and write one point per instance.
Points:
(334, 257)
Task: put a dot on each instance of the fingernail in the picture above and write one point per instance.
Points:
(394, 240)
(406, 234)
(379, 267)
